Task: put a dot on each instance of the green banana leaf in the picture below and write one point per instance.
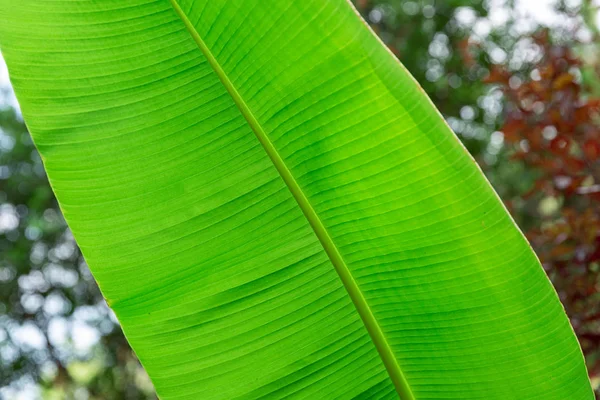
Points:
(274, 208)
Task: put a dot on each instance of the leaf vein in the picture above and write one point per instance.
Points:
(356, 295)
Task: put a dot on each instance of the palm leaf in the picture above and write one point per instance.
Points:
(272, 207)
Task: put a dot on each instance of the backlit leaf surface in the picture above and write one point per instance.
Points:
(272, 206)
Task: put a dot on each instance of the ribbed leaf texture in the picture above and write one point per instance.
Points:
(273, 207)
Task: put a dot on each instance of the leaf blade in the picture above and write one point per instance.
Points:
(340, 155)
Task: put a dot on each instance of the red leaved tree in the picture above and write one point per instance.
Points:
(551, 126)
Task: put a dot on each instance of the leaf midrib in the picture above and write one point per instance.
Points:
(385, 352)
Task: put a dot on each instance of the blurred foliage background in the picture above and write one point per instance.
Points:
(517, 81)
